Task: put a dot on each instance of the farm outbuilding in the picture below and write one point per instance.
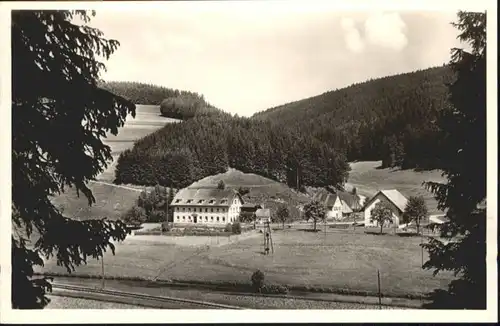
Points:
(393, 198)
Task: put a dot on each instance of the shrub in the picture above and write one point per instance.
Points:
(275, 289)
(228, 228)
(258, 280)
(236, 228)
(165, 227)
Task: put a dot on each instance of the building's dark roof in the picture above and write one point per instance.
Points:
(204, 197)
(250, 205)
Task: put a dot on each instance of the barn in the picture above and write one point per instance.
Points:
(393, 198)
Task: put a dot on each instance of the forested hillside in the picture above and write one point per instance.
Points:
(179, 154)
(389, 119)
(174, 103)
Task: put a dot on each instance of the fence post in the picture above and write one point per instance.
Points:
(379, 291)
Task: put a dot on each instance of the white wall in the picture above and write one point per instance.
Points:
(336, 212)
(207, 215)
(396, 215)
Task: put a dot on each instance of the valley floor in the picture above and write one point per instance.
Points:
(339, 260)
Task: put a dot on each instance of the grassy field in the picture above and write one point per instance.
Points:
(342, 260)
(368, 179)
(146, 121)
(111, 202)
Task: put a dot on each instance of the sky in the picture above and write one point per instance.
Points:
(244, 61)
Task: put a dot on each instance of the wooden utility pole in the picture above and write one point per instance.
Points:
(102, 269)
(379, 291)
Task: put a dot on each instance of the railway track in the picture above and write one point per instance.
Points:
(135, 298)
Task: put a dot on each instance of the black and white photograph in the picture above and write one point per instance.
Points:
(258, 156)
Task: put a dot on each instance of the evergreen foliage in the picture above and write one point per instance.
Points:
(388, 119)
(152, 206)
(463, 160)
(143, 93)
(179, 154)
(55, 73)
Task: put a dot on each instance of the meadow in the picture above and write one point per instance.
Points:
(146, 121)
(338, 260)
(368, 178)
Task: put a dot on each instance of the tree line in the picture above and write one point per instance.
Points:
(144, 93)
(389, 119)
(179, 154)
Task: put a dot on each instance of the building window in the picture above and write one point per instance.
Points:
(183, 209)
(206, 218)
(183, 217)
(217, 210)
(194, 209)
(206, 210)
(217, 219)
(211, 218)
(223, 219)
(178, 218)
(212, 210)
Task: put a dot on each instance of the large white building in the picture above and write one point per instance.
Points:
(206, 206)
(393, 198)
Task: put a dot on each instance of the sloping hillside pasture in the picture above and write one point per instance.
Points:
(263, 191)
(146, 121)
(111, 202)
(337, 260)
(368, 178)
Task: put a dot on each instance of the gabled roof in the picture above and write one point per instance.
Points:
(263, 212)
(205, 197)
(328, 198)
(394, 196)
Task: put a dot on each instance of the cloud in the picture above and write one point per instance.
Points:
(386, 30)
(243, 61)
(352, 36)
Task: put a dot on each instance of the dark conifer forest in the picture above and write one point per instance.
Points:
(303, 143)
(390, 119)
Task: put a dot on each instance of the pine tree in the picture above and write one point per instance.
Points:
(55, 74)
(463, 160)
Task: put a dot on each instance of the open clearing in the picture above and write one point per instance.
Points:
(112, 201)
(341, 260)
(146, 121)
(368, 179)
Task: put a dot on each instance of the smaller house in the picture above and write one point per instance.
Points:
(263, 215)
(339, 204)
(393, 198)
